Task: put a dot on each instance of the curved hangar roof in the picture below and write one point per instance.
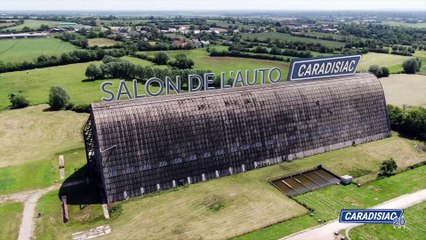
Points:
(157, 143)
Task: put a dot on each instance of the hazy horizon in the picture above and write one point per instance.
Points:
(219, 5)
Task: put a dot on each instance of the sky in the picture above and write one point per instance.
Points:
(177, 5)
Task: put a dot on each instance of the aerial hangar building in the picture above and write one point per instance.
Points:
(141, 146)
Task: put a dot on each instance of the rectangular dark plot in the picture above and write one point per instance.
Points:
(306, 181)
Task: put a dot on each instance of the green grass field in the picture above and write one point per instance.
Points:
(225, 64)
(35, 84)
(26, 176)
(226, 24)
(4, 24)
(43, 173)
(185, 213)
(34, 24)
(403, 24)
(119, 22)
(415, 217)
(31, 134)
(10, 217)
(335, 36)
(175, 36)
(19, 50)
(288, 37)
(328, 202)
(102, 42)
(393, 62)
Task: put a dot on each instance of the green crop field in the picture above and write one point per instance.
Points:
(226, 24)
(328, 202)
(391, 61)
(35, 84)
(333, 35)
(19, 50)
(34, 24)
(10, 215)
(403, 24)
(175, 36)
(191, 211)
(225, 64)
(102, 42)
(120, 22)
(415, 217)
(288, 37)
(4, 24)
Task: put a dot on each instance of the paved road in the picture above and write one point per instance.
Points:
(26, 230)
(326, 231)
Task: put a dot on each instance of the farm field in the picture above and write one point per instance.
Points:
(391, 61)
(4, 24)
(333, 35)
(225, 24)
(20, 129)
(403, 24)
(328, 202)
(191, 211)
(120, 22)
(102, 42)
(10, 215)
(203, 61)
(415, 217)
(288, 37)
(20, 50)
(35, 84)
(43, 173)
(405, 89)
(174, 36)
(34, 24)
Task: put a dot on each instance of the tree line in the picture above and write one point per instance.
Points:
(410, 121)
(77, 56)
(118, 68)
(233, 53)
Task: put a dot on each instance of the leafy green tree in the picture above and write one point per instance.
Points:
(376, 70)
(412, 65)
(387, 168)
(260, 49)
(182, 62)
(18, 101)
(385, 72)
(275, 50)
(161, 58)
(26, 29)
(58, 98)
(411, 121)
(93, 72)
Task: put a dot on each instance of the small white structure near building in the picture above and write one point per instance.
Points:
(346, 180)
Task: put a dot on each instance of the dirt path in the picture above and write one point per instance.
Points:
(17, 197)
(26, 230)
(326, 231)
